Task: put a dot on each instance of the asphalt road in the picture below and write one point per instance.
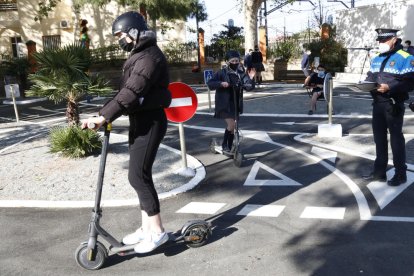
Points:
(288, 210)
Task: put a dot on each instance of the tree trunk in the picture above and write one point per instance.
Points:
(72, 113)
(251, 8)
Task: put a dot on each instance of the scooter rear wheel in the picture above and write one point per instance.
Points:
(196, 236)
(98, 256)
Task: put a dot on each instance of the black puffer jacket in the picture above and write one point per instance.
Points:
(223, 98)
(144, 82)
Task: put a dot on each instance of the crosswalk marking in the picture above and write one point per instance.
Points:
(201, 208)
(261, 210)
(323, 212)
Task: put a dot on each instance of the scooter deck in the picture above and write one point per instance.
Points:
(219, 149)
(173, 239)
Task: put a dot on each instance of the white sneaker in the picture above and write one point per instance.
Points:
(151, 242)
(135, 237)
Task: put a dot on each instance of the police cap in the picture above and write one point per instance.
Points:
(384, 34)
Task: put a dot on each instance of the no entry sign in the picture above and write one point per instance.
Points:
(183, 104)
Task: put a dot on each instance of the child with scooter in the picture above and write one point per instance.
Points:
(143, 95)
(229, 84)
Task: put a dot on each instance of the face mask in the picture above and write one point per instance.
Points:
(125, 45)
(321, 74)
(383, 48)
(234, 66)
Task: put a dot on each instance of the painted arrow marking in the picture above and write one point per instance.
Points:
(176, 102)
(383, 193)
(282, 181)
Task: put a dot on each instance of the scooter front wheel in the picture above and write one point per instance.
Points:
(196, 235)
(238, 159)
(91, 259)
(213, 145)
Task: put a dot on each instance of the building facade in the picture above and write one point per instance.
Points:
(62, 26)
(356, 29)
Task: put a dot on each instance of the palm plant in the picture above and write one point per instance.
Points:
(63, 75)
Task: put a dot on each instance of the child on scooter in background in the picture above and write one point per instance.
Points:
(228, 82)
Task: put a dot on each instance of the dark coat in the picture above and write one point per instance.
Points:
(144, 82)
(223, 102)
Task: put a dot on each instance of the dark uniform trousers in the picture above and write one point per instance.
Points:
(383, 119)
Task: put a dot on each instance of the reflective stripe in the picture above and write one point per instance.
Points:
(403, 53)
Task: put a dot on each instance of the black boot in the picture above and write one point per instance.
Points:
(224, 144)
(398, 179)
(230, 141)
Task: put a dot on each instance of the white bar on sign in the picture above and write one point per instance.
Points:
(177, 102)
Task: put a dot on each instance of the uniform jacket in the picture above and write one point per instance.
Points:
(223, 96)
(144, 81)
(395, 68)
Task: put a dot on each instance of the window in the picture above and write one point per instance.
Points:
(8, 5)
(14, 42)
(51, 41)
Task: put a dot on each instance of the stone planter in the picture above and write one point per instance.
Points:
(279, 65)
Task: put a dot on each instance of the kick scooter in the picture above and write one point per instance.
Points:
(235, 152)
(92, 254)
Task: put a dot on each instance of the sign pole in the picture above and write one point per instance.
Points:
(209, 100)
(208, 74)
(330, 100)
(183, 106)
(14, 102)
(182, 144)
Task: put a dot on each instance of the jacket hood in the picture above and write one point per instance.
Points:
(146, 39)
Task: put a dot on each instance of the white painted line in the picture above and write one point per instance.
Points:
(22, 141)
(20, 102)
(10, 129)
(177, 102)
(201, 208)
(303, 139)
(255, 210)
(283, 181)
(323, 212)
(325, 154)
(270, 115)
(383, 193)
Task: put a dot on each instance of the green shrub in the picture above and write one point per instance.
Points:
(74, 142)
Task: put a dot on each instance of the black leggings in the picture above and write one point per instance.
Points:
(146, 131)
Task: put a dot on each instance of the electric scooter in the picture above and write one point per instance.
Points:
(92, 254)
(235, 152)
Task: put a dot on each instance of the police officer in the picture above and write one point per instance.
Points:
(229, 83)
(393, 72)
(143, 95)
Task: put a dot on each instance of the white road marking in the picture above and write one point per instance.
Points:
(323, 212)
(383, 193)
(283, 181)
(177, 102)
(261, 210)
(201, 208)
(325, 154)
(303, 139)
(363, 207)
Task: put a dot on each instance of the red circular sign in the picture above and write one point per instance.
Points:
(184, 102)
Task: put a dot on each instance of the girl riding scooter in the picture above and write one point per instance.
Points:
(224, 81)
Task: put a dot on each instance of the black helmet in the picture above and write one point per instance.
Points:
(127, 21)
(232, 54)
